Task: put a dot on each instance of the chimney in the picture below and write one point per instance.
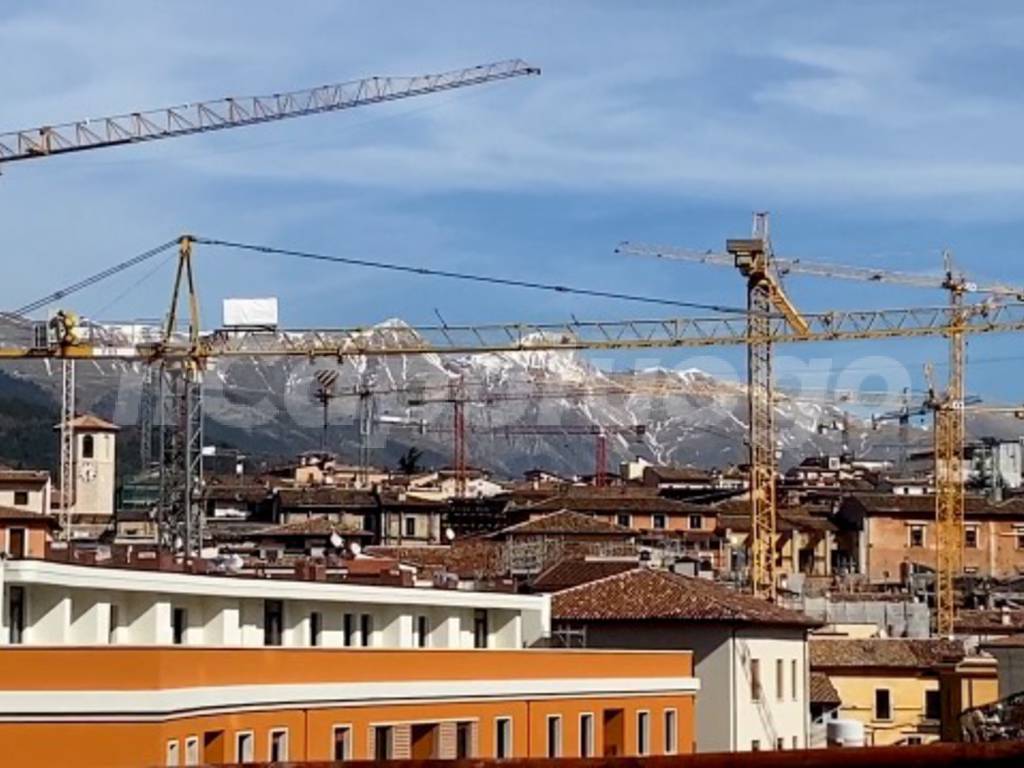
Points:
(1004, 616)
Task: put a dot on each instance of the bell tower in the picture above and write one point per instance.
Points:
(95, 461)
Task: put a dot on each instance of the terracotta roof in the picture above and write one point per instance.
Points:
(989, 622)
(921, 504)
(88, 421)
(649, 594)
(313, 526)
(883, 652)
(325, 496)
(28, 476)
(469, 559)
(612, 503)
(678, 474)
(565, 521)
(16, 515)
(573, 572)
(822, 691)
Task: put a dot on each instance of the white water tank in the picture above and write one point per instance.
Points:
(845, 733)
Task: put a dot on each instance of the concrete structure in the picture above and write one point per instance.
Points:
(1009, 654)
(26, 489)
(116, 707)
(752, 655)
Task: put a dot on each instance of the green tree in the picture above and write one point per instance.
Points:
(409, 462)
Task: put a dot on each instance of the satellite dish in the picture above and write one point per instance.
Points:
(355, 549)
(449, 534)
(336, 540)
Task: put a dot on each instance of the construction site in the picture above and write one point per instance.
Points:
(238, 539)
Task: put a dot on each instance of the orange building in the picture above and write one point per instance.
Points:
(111, 706)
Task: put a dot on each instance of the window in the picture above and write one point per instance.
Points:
(794, 682)
(192, 750)
(273, 620)
(1020, 539)
(502, 737)
(626, 521)
(659, 522)
(342, 749)
(780, 679)
(410, 526)
(382, 738)
(883, 704)
(755, 745)
(244, 747)
(971, 538)
(179, 623)
(113, 623)
(796, 742)
(365, 629)
(16, 542)
(932, 705)
(755, 679)
(554, 745)
(481, 631)
(696, 522)
(671, 732)
(348, 630)
(464, 741)
(586, 735)
(422, 632)
(917, 535)
(643, 733)
(780, 744)
(172, 757)
(278, 745)
(21, 498)
(316, 628)
(914, 741)
(87, 447)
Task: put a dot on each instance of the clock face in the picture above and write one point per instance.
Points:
(87, 473)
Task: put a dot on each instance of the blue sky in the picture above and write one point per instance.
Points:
(876, 133)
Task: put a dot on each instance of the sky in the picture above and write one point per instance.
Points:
(876, 134)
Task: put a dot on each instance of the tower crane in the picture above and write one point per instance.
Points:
(948, 409)
(180, 388)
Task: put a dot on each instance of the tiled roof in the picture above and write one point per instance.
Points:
(649, 594)
(989, 622)
(469, 559)
(921, 504)
(313, 526)
(822, 690)
(612, 503)
(27, 476)
(883, 652)
(573, 572)
(565, 521)
(16, 515)
(88, 421)
(325, 496)
(678, 474)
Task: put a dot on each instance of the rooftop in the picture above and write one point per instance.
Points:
(893, 653)
(565, 521)
(18, 515)
(312, 526)
(649, 594)
(924, 504)
(573, 572)
(92, 423)
(822, 691)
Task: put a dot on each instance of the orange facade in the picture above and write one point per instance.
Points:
(167, 705)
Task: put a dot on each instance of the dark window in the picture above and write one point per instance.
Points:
(278, 746)
(463, 741)
(755, 745)
(624, 520)
(273, 621)
(883, 704)
(554, 736)
(21, 498)
(586, 735)
(780, 680)
(643, 733)
(382, 742)
(366, 629)
(16, 614)
(410, 526)
(971, 538)
(696, 522)
(932, 705)
(659, 522)
(480, 629)
(16, 542)
(87, 447)
(755, 679)
(316, 626)
(342, 743)
(502, 738)
(780, 743)
(917, 535)
(422, 631)
(115, 622)
(348, 629)
(671, 732)
(179, 623)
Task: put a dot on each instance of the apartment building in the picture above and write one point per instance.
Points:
(750, 655)
(110, 666)
(25, 489)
